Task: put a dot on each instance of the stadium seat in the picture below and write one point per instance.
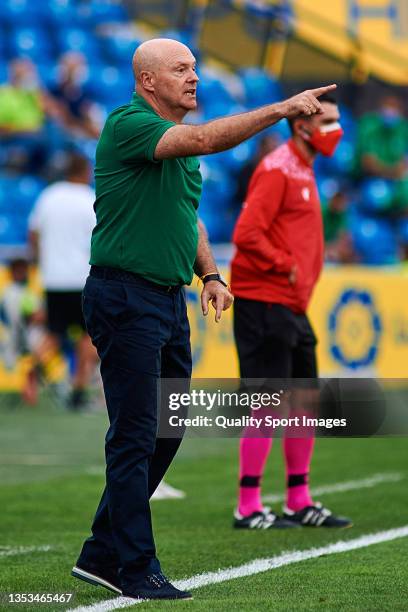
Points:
(106, 11)
(341, 163)
(212, 92)
(118, 49)
(376, 195)
(260, 87)
(3, 72)
(233, 159)
(60, 12)
(48, 73)
(20, 13)
(21, 192)
(374, 240)
(110, 86)
(403, 231)
(33, 43)
(76, 39)
(328, 187)
(217, 199)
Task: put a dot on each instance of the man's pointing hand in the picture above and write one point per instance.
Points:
(305, 103)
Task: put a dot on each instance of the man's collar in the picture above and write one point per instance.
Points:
(140, 102)
(299, 154)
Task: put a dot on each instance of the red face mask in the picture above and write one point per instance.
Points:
(326, 138)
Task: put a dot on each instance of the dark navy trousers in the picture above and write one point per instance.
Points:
(141, 333)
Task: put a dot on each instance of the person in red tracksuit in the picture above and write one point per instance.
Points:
(278, 260)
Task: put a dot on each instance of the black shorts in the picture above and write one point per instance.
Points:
(64, 311)
(273, 341)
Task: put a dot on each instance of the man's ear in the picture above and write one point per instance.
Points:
(147, 80)
(302, 128)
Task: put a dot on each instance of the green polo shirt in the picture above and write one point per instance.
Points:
(146, 220)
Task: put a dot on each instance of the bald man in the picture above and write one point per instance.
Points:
(146, 246)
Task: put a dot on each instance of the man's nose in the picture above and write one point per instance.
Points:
(193, 76)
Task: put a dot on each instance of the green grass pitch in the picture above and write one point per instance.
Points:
(51, 477)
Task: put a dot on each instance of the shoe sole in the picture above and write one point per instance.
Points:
(348, 526)
(93, 579)
(292, 525)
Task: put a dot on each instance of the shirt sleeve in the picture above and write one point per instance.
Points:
(137, 135)
(252, 233)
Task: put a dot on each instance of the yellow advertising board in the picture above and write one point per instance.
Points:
(360, 316)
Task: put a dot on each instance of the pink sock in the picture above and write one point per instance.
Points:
(253, 453)
(298, 454)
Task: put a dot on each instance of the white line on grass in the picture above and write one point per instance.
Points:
(8, 551)
(258, 566)
(341, 487)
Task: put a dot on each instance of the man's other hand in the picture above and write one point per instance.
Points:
(293, 275)
(219, 296)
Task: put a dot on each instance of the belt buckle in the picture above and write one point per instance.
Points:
(169, 288)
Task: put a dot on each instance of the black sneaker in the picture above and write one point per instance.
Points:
(155, 586)
(102, 576)
(261, 520)
(316, 516)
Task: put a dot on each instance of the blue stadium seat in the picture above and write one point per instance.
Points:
(341, 163)
(61, 13)
(21, 192)
(348, 123)
(119, 49)
(106, 11)
(403, 231)
(27, 191)
(260, 87)
(233, 159)
(48, 73)
(110, 85)
(328, 187)
(6, 233)
(212, 93)
(376, 195)
(76, 39)
(3, 45)
(3, 72)
(20, 13)
(280, 130)
(217, 199)
(374, 240)
(13, 229)
(33, 43)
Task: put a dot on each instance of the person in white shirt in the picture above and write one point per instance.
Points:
(61, 225)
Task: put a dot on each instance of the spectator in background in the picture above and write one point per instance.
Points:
(69, 94)
(337, 239)
(24, 107)
(60, 231)
(22, 319)
(21, 100)
(382, 147)
(266, 144)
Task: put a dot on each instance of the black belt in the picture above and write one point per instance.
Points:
(124, 275)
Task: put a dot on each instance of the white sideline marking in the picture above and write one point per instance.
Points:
(341, 487)
(258, 566)
(8, 551)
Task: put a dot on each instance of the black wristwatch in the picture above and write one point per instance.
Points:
(214, 276)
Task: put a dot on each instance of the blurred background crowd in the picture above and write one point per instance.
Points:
(64, 64)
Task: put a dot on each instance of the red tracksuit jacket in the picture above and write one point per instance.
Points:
(280, 225)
